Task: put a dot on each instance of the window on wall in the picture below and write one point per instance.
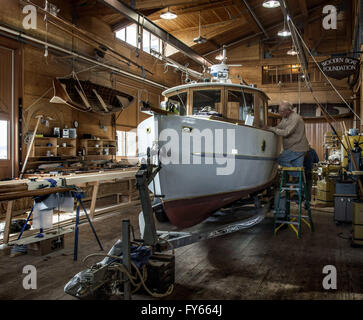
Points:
(126, 143)
(4, 139)
(150, 43)
(131, 35)
(128, 34)
(286, 73)
(155, 44)
(146, 41)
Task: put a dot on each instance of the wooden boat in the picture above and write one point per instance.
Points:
(189, 179)
(86, 96)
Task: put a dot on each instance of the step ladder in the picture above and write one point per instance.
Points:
(293, 221)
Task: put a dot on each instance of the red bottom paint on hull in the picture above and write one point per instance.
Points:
(185, 213)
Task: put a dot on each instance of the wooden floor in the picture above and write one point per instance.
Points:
(250, 264)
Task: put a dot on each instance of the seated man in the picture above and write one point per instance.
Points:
(295, 143)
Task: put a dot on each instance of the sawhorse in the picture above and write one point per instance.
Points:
(78, 194)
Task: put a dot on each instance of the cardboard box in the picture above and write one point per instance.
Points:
(358, 232)
(326, 185)
(46, 246)
(325, 196)
(358, 213)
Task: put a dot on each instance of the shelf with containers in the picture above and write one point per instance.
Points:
(98, 149)
(46, 147)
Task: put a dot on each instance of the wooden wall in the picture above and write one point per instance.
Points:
(39, 72)
(325, 42)
(315, 130)
(251, 72)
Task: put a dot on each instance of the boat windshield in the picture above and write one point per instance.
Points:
(240, 105)
(206, 100)
(179, 101)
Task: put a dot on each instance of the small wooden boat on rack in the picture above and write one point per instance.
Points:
(86, 96)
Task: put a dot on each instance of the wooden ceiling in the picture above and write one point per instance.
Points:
(224, 22)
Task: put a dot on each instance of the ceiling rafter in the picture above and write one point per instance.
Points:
(303, 8)
(244, 11)
(192, 9)
(153, 4)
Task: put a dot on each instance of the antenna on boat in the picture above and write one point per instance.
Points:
(220, 72)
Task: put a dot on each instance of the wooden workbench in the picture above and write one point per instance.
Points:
(96, 184)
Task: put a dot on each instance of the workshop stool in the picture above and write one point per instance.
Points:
(302, 192)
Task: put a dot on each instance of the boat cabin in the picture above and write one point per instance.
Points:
(227, 102)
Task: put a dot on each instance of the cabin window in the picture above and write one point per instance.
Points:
(206, 100)
(261, 106)
(4, 139)
(179, 101)
(240, 105)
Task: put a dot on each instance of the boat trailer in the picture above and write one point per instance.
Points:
(114, 275)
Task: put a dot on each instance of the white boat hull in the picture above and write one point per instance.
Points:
(234, 160)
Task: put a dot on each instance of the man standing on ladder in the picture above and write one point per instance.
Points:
(295, 143)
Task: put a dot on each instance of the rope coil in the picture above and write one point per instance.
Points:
(132, 278)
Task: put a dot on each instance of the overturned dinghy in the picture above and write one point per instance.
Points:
(89, 97)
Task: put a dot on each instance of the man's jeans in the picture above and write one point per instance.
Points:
(290, 158)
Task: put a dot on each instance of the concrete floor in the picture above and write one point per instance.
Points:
(249, 264)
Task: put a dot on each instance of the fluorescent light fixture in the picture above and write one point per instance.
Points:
(168, 15)
(284, 33)
(271, 4)
(292, 52)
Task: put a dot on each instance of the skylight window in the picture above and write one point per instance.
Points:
(150, 43)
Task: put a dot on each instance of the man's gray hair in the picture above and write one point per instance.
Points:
(285, 105)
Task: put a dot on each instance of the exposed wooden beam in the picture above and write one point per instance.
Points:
(152, 4)
(124, 22)
(192, 9)
(136, 17)
(217, 16)
(245, 13)
(208, 31)
(303, 8)
(348, 23)
(120, 24)
(93, 9)
(8, 216)
(214, 43)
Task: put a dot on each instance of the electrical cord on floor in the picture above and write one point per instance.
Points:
(132, 279)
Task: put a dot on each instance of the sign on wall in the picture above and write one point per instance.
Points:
(340, 67)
